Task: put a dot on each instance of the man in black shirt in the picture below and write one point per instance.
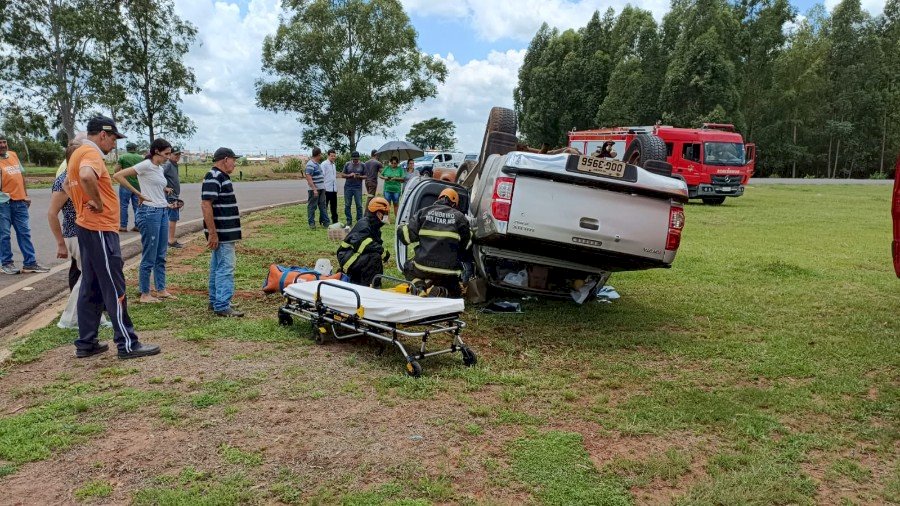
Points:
(222, 225)
(373, 169)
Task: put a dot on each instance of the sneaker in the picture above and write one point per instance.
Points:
(123, 229)
(142, 350)
(312, 227)
(9, 269)
(89, 352)
(34, 268)
(104, 324)
(176, 244)
(135, 229)
(230, 313)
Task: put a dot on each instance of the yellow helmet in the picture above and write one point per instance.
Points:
(451, 195)
(378, 204)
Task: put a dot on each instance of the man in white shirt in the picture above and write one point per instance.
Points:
(330, 171)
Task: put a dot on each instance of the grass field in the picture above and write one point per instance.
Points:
(763, 368)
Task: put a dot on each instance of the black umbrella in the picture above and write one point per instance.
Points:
(401, 149)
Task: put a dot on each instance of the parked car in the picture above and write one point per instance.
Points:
(548, 224)
(439, 162)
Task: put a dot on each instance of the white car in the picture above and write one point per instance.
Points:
(438, 160)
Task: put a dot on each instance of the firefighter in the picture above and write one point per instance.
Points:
(606, 151)
(444, 240)
(361, 255)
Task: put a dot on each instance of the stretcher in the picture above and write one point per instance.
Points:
(339, 311)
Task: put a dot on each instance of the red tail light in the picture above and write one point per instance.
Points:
(676, 224)
(501, 200)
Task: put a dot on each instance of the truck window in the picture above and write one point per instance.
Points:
(439, 158)
(669, 147)
(691, 152)
(448, 157)
(725, 153)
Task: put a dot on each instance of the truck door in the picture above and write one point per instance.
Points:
(422, 194)
(750, 157)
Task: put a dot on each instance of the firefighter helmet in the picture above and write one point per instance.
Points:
(451, 195)
(378, 204)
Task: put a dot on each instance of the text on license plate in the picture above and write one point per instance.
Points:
(602, 166)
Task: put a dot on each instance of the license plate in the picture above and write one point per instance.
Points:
(602, 166)
(725, 188)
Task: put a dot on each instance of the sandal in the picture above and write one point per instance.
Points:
(166, 295)
(149, 300)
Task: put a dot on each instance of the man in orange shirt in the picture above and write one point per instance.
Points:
(14, 203)
(97, 223)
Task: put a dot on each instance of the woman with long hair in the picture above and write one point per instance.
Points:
(152, 218)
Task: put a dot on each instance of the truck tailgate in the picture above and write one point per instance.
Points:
(593, 218)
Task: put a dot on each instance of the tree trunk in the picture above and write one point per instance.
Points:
(794, 164)
(837, 153)
(828, 167)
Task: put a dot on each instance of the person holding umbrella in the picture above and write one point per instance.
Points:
(393, 177)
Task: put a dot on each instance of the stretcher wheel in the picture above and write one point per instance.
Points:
(320, 334)
(284, 319)
(413, 369)
(468, 356)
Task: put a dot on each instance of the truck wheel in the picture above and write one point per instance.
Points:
(644, 148)
(499, 137)
(463, 172)
(714, 201)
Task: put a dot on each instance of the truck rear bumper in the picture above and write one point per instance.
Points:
(709, 190)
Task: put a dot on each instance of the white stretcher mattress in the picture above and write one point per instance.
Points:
(379, 305)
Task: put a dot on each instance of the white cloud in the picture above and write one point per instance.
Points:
(519, 20)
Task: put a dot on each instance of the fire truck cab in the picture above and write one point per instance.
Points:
(713, 159)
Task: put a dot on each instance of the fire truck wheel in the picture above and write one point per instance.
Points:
(643, 148)
(714, 201)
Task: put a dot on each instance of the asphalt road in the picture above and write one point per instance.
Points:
(249, 195)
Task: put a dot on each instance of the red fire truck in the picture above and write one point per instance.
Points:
(713, 159)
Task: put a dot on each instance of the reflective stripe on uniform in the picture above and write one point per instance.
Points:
(406, 237)
(439, 233)
(362, 246)
(436, 270)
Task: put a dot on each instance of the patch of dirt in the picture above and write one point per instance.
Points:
(304, 415)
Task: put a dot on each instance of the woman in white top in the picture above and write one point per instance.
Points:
(152, 218)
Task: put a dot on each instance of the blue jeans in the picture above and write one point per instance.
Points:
(353, 195)
(154, 226)
(319, 202)
(125, 196)
(15, 214)
(221, 276)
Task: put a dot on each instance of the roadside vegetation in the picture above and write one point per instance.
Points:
(761, 369)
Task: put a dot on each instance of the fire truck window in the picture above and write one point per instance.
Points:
(691, 152)
(669, 147)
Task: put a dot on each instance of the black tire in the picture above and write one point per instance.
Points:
(284, 319)
(499, 137)
(644, 148)
(319, 333)
(413, 369)
(463, 172)
(469, 357)
(714, 201)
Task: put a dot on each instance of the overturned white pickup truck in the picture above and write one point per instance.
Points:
(550, 224)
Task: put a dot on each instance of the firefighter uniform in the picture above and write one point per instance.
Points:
(444, 238)
(361, 255)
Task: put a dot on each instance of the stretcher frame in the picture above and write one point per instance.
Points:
(344, 326)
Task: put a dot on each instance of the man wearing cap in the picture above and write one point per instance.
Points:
(97, 223)
(128, 159)
(373, 169)
(222, 226)
(355, 173)
(14, 204)
(173, 192)
(315, 178)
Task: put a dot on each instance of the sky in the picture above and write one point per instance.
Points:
(482, 43)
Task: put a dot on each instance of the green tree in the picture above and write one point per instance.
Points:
(348, 68)
(889, 33)
(152, 69)
(701, 81)
(49, 51)
(22, 126)
(433, 133)
(638, 71)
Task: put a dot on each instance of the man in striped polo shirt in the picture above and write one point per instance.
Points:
(315, 178)
(222, 226)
